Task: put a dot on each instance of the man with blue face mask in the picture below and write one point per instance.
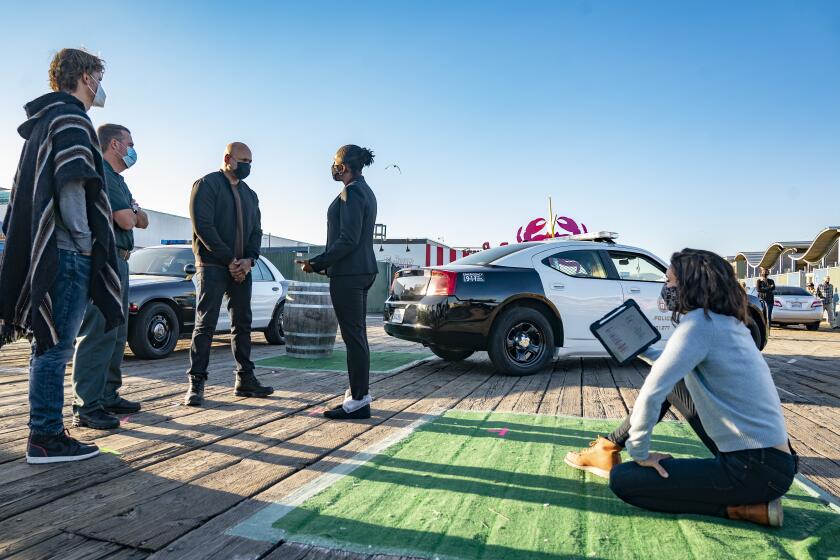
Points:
(97, 374)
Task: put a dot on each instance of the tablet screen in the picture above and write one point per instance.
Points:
(627, 333)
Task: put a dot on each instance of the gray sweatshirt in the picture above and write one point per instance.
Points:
(72, 231)
(727, 377)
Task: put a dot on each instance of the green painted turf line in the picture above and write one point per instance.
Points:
(454, 489)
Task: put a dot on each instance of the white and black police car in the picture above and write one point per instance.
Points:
(528, 303)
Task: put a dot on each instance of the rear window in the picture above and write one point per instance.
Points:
(791, 291)
(488, 256)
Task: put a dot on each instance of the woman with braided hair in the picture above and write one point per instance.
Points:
(711, 371)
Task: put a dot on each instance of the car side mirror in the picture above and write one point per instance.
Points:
(189, 269)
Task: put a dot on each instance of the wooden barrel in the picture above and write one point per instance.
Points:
(309, 320)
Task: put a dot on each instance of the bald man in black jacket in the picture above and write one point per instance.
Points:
(350, 263)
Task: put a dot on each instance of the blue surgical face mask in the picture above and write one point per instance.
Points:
(130, 157)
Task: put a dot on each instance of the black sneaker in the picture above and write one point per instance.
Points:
(247, 385)
(195, 393)
(338, 413)
(97, 419)
(122, 406)
(58, 448)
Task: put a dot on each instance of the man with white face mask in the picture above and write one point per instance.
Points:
(60, 252)
(97, 374)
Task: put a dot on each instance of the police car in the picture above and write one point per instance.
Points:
(528, 303)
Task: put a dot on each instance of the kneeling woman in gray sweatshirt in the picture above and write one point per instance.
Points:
(712, 363)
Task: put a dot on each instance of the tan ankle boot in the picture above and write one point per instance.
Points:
(770, 514)
(599, 459)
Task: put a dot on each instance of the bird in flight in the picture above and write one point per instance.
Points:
(395, 166)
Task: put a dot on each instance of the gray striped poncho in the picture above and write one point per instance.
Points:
(60, 147)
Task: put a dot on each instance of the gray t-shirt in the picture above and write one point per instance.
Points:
(72, 231)
(727, 377)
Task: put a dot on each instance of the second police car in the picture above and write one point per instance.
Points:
(530, 302)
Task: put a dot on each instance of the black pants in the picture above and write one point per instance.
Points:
(702, 486)
(349, 299)
(769, 305)
(214, 282)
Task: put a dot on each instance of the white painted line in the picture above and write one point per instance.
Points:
(818, 492)
(792, 361)
(260, 526)
(14, 370)
(790, 393)
(397, 369)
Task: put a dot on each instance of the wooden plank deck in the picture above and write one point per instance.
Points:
(176, 478)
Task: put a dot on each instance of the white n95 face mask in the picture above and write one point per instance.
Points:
(98, 95)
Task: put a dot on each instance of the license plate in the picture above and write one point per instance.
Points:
(397, 315)
(796, 304)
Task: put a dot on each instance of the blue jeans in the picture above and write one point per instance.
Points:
(706, 486)
(70, 294)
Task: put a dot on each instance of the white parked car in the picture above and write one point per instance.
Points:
(528, 302)
(161, 300)
(793, 305)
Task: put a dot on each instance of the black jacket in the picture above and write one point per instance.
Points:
(213, 214)
(350, 221)
(766, 289)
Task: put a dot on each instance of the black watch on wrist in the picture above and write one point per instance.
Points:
(253, 262)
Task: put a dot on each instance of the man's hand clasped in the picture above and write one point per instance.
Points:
(239, 269)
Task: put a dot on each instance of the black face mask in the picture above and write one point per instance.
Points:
(670, 295)
(243, 169)
(337, 171)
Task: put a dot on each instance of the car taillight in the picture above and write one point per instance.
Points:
(777, 303)
(132, 308)
(816, 303)
(442, 283)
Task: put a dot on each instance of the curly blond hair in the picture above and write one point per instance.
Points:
(69, 65)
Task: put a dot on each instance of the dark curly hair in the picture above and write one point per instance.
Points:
(69, 65)
(706, 281)
(354, 157)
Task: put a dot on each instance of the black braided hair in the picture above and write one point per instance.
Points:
(354, 157)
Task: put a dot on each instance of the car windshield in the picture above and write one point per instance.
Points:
(164, 261)
(791, 291)
(489, 256)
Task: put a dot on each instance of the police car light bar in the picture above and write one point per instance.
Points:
(602, 236)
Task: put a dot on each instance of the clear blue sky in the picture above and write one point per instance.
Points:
(707, 124)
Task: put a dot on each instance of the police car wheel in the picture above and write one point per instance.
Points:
(521, 342)
(450, 354)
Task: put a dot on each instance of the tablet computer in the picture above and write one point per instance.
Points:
(625, 332)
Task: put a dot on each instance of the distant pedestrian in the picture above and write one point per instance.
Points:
(766, 288)
(60, 250)
(825, 291)
(350, 263)
(227, 236)
(97, 373)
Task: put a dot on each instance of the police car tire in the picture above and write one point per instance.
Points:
(501, 327)
(274, 331)
(450, 354)
(138, 335)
